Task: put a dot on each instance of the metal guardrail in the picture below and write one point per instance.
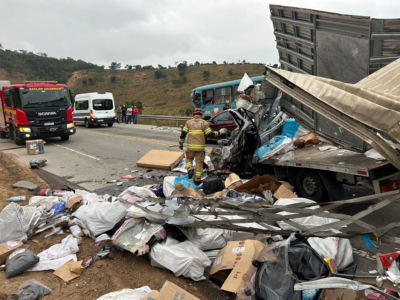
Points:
(169, 118)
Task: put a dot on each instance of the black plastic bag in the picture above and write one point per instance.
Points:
(213, 185)
(19, 261)
(30, 290)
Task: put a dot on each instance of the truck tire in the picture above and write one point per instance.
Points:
(110, 124)
(87, 123)
(65, 137)
(309, 185)
(13, 135)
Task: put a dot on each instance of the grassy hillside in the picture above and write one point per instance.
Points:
(163, 96)
(21, 64)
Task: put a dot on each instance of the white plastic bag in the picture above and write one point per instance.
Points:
(309, 222)
(168, 185)
(46, 202)
(127, 294)
(183, 259)
(245, 83)
(209, 238)
(332, 247)
(372, 153)
(17, 221)
(57, 255)
(140, 192)
(100, 217)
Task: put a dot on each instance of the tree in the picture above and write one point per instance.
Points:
(275, 66)
(189, 111)
(138, 67)
(243, 61)
(113, 79)
(214, 62)
(128, 67)
(182, 67)
(181, 74)
(197, 63)
(84, 81)
(206, 74)
(158, 74)
(1, 46)
(230, 72)
(225, 62)
(161, 67)
(115, 66)
(148, 67)
(91, 81)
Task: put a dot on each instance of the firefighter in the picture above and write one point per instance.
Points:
(197, 128)
(226, 106)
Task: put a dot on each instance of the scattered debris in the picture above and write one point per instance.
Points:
(25, 185)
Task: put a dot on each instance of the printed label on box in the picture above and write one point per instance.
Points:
(217, 261)
(238, 249)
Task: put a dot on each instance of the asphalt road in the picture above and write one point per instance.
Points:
(96, 155)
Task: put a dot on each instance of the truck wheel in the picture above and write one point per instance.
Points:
(309, 185)
(65, 137)
(110, 124)
(87, 123)
(18, 141)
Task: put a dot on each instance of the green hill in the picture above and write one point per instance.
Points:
(22, 65)
(167, 95)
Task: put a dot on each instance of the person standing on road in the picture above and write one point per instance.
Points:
(119, 113)
(197, 128)
(129, 115)
(135, 115)
(123, 110)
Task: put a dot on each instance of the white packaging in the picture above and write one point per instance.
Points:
(183, 259)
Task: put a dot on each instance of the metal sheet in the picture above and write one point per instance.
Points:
(341, 57)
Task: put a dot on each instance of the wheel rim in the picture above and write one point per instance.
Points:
(87, 123)
(309, 185)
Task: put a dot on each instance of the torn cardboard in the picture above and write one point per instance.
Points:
(258, 184)
(74, 203)
(7, 248)
(35, 147)
(159, 159)
(234, 263)
(170, 291)
(187, 192)
(233, 181)
(334, 294)
(70, 270)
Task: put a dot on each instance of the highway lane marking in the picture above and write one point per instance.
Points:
(80, 153)
(133, 138)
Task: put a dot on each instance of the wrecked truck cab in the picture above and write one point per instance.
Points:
(326, 109)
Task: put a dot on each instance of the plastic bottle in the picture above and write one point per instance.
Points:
(16, 199)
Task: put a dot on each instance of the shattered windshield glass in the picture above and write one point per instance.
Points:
(44, 97)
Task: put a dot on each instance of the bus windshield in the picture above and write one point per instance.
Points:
(213, 97)
(43, 97)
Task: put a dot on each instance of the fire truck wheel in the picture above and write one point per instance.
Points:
(65, 137)
(18, 141)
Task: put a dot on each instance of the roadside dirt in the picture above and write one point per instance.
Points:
(124, 270)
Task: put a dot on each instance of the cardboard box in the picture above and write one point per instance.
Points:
(35, 147)
(234, 263)
(334, 294)
(233, 181)
(154, 295)
(7, 248)
(159, 159)
(170, 291)
(258, 184)
(76, 231)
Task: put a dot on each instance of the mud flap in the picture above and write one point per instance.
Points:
(334, 188)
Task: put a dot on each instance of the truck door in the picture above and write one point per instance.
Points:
(9, 109)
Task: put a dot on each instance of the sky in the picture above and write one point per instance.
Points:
(152, 32)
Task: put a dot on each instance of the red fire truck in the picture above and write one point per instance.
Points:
(35, 109)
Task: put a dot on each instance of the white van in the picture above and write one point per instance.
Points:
(94, 109)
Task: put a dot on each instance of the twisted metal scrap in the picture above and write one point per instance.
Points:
(267, 215)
